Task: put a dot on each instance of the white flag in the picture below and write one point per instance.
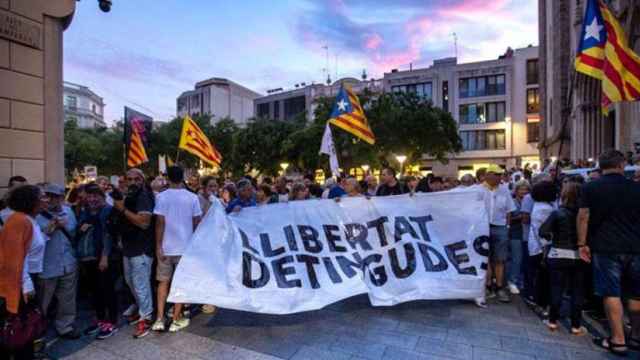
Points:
(328, 148)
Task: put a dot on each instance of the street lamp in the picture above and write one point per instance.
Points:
(401, 159)
(284, 167)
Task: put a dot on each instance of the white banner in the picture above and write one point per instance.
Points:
(304, 255)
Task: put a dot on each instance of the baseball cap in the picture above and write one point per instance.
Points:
(54, 189)
(494, 168)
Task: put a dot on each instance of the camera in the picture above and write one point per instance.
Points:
(105, 5)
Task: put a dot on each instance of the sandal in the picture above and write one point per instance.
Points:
(615, 349)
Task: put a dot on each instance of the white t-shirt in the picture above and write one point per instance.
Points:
(539, 214)
(498, 203)
(178, 207)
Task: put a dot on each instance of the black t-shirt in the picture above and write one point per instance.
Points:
(135, 240)
(614, 214)
(386, 190)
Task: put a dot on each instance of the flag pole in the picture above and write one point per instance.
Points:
(177, 157)
(124, 157)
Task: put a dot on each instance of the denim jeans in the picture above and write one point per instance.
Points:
(566, 276)
(137, 274)
(514, 265)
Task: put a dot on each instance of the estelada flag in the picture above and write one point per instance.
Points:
(139, 121)
(137, 155)
(604, 54)
(348, 115)
(194, 141)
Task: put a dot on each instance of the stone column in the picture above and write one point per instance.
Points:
(31, 116)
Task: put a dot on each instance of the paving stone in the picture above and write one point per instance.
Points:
(478, 338)
(394, 353)
(363, 349)
(560, 337)
(584, 354)
(480, 353)
(273, 346)
(144, 349)
(89, 352)
(392, 338)
(444, 348)
(534, 348)
(315, 353)
(422, 330)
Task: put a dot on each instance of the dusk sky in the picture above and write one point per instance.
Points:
(144, 53)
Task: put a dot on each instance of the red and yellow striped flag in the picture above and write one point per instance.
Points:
(137, 154)
(348, 115)
(605, 54)
(194, 141)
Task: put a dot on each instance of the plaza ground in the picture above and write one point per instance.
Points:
(351, 330)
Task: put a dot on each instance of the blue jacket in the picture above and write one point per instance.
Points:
(59, 255)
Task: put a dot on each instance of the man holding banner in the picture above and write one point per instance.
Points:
(305, 255)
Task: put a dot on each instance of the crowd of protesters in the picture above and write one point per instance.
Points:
(551, 237)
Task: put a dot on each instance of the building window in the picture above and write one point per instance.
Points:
(482, 113)
(276, 110)
(445, 95)
(71, 102)
(294, 106)
(93, 108)
(482, 86)
(532, 71)
(423, 90)
(533, 101)
(182, 104)
(533, 132)
(483, 140)
(263, 110)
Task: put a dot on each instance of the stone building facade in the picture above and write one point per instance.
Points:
(494, 102)
(219, 98)
(83, 106)
(572, 125)
(31, 112)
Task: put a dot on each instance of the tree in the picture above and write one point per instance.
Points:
(260, 146)
(405, 124)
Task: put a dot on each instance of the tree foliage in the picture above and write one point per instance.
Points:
(402, 123)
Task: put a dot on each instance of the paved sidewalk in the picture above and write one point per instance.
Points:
(352, 329)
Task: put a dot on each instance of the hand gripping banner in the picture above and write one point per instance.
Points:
(304, 255)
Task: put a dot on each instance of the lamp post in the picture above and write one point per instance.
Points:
(401, 159)
(284, 167)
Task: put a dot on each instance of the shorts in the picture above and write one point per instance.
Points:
(498, 244)
(166, 268)
(615, 275)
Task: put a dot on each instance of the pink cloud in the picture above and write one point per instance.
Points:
(373, 41)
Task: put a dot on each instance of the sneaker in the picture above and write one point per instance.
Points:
(209, 309)
(579, 331)
(142, 328)
(503, 296)
(93, 329)
(133, 319)
(158, 325)
(490, 292)
(177, 325)
(513, 289)
(106, 331)
(131, 310)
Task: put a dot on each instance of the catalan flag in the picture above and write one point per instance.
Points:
(604, 54)
(348, 115)
(194, 141)
(137, 155)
